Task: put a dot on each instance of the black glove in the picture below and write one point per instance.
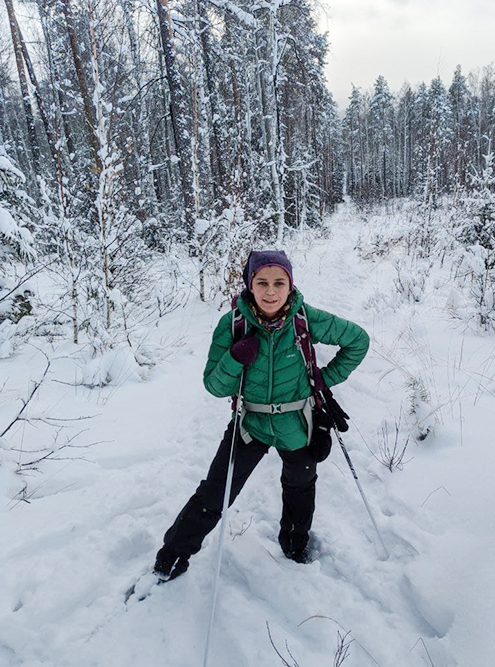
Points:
(321, 440)
(335, 413)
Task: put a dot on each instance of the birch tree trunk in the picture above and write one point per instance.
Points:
(267, 72)
(197, 84)
(107, 172)
(278, 164)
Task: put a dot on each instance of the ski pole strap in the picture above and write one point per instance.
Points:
(239, 324)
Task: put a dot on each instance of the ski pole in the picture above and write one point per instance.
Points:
(354, 474)
(226, 498)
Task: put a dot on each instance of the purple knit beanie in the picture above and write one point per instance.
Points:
(258, 259)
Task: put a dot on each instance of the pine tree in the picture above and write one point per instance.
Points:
(481, 206)
(439, 134)
(405, 141)
(420, 121)
(354, 140)
(381, 125)
(462, 131)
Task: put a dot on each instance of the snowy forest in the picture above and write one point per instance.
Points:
(130, 128)
(146, 147)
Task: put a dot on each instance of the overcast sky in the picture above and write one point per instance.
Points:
(404, 40)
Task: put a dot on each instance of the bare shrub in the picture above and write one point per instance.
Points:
(391, 449)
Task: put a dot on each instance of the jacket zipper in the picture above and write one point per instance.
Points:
(270, 374)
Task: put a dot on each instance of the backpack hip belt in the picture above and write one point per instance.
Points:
(278, 408)
(305, 404)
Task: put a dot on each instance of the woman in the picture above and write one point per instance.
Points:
(275, 374)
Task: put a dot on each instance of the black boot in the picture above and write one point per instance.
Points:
(295, 546)
(170, 564)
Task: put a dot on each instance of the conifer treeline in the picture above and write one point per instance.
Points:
(427, 141)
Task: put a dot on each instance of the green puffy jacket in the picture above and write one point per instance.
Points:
(279, 373)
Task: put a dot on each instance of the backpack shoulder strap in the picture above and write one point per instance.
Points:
(303, 342)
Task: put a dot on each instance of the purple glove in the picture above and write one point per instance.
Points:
(245, 350)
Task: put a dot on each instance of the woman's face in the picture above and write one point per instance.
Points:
(270, 287)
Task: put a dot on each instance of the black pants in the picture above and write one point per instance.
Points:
(204, 509)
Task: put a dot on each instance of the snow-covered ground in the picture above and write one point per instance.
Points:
(90, 529)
